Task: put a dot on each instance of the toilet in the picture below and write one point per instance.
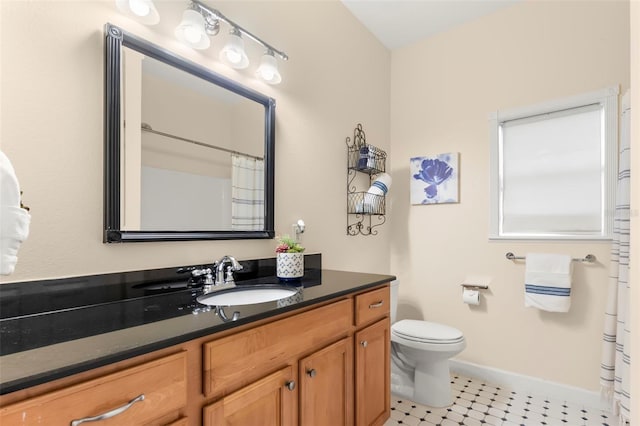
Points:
(420, 352)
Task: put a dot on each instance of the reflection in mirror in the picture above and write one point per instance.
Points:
(189, 154)
(200, 145)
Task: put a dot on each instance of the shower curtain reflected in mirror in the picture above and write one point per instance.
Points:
(247, 192)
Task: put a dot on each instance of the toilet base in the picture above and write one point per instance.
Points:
(401, 383)
(432, 384)
(429, 384)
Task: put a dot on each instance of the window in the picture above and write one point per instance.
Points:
(553, 168)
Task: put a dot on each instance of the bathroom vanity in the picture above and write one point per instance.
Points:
(321, 355)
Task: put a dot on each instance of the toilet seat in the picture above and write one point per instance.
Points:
(422, 333)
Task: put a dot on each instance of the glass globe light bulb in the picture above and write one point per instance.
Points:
(268, 69)
(139, 7)
(192, 35)
(233, 56)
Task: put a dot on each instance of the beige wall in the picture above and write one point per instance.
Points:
(443, 90)
(51, 87)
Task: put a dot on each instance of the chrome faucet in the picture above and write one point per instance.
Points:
(220, 271)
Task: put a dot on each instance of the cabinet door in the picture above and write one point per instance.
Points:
(270, 401)
(373, 374)
(326, 386)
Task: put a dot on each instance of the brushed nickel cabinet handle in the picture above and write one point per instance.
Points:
(291, 385)
(376, 305)
(364, 343)
(311, 373)
(109, 414)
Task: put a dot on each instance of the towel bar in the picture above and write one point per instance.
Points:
(590, 258)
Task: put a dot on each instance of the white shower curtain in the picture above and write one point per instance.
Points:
(247, 193)
(616, 360)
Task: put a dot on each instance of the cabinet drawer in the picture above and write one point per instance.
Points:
(372, 305)
(162, 382)
(234, 361)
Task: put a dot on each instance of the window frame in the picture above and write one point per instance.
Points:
(608, 100)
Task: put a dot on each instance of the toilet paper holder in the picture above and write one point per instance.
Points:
(474, 286)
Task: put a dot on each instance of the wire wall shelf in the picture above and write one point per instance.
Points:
(367, 159)
(365, 210)
(365, 204)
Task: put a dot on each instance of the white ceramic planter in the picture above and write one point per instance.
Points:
(289, 265)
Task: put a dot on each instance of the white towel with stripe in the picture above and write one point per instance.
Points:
(14, 220)
(548, 282)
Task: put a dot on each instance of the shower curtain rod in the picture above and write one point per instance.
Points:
(147, 128)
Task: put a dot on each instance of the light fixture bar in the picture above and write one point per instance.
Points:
(217, 15)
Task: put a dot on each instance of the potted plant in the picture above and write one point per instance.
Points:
(289, 259)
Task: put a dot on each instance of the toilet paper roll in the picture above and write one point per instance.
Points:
(471, 297)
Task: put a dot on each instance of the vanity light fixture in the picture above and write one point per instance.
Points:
(268, 69)
(233, 53)
(143, 10)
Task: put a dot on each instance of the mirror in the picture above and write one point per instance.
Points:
(189, 154)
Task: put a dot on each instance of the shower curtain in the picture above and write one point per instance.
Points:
(616, 360)
(247, 193)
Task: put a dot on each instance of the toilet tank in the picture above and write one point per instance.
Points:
(394, 300)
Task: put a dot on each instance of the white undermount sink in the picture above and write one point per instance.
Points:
(246, 295)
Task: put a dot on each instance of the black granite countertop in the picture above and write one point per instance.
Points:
(55, 328)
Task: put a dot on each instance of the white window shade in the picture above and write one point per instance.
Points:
(553, 167)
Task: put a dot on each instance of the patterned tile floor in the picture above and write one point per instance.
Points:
(479, 404)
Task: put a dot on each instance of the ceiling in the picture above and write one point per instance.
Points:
(397, 23)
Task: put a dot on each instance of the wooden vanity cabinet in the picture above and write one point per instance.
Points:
(373, 374)
(326, 364)
(326, 385)
(272, 400)
(241, 358)
(372, 357)
(317, 343)
(152, 393)
(331, 385)
(322, 394)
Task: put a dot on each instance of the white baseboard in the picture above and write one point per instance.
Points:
(532, 385)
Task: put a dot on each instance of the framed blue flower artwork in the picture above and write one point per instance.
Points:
(434, 179)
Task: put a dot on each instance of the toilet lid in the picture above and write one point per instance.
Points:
(428, 332)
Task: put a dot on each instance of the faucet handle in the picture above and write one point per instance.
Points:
(200, 272)
(185, 269)
(228, 279)
(199, 275)
(208, 276)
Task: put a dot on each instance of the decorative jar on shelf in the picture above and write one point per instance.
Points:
(289, 259)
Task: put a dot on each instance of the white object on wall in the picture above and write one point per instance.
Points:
(14, 220)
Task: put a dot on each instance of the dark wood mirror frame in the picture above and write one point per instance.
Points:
(115, 39)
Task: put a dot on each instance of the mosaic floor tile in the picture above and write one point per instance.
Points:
(481, 404)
